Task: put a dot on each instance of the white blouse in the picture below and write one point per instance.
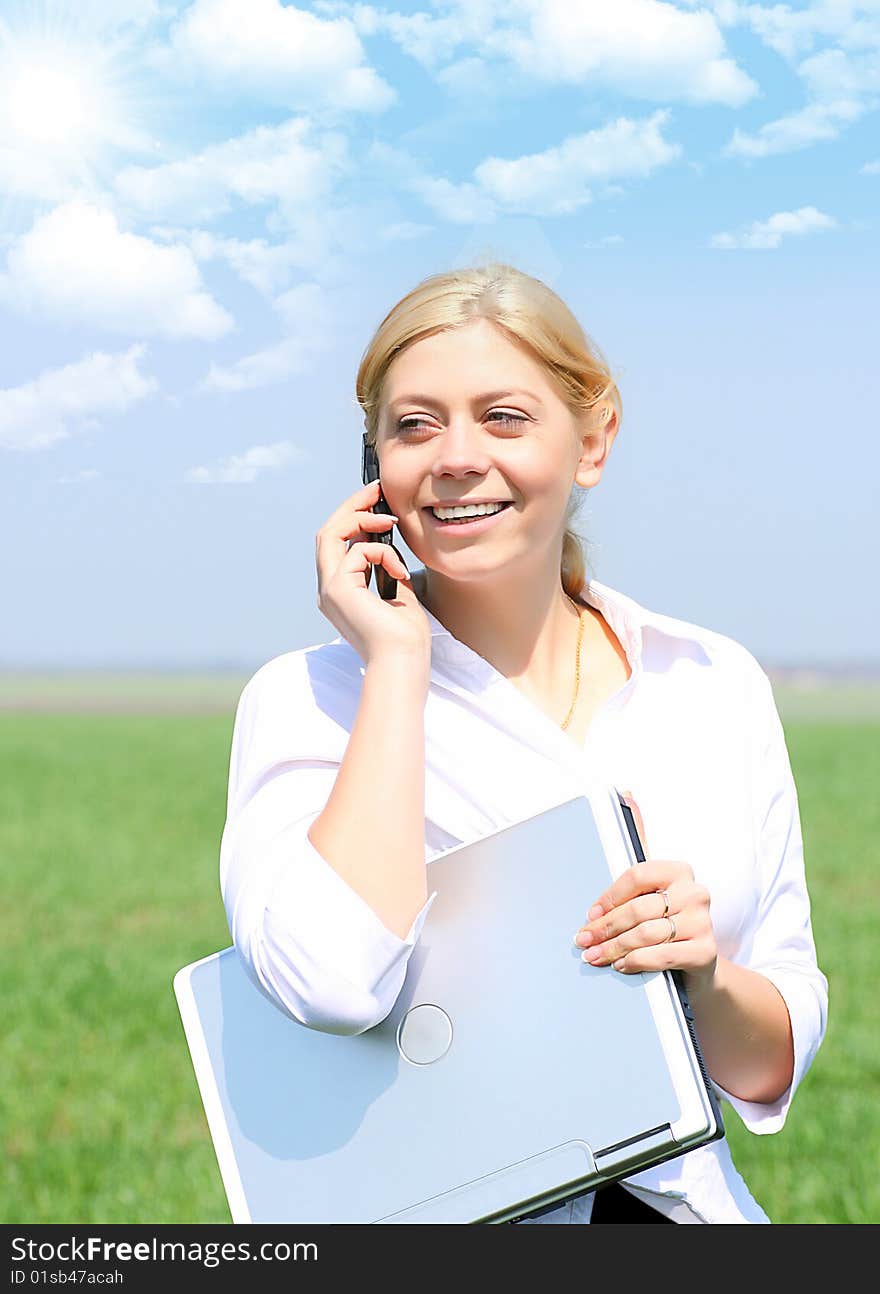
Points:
(694, 735)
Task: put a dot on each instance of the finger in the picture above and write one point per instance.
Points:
(692, 952)
(346, 523)
(368, 491)
(368, 524)
(390, 558)
(648, 934)
(356, 525)
(645, 907)
(643, 878)
(363, 499)
(363, 556)
(657, 957)
(375, 520)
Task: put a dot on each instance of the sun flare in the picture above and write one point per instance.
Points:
(69, 106)
(50, 106)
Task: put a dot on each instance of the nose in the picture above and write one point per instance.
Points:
(461, 450)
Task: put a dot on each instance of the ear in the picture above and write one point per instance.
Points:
(596, 437)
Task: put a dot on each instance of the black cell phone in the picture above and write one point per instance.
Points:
(385, 583)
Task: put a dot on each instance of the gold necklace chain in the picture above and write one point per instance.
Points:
(577, 667)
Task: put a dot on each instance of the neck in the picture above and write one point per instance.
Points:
(522, 627)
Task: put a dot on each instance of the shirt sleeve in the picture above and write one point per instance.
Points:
(306, 939)
(782, 949)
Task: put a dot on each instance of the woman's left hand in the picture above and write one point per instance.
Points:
(630, 928)
(653, 917)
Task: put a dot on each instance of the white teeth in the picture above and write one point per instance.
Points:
(472, 510)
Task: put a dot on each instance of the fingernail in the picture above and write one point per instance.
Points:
(595, 911)
(592, 955)
(583, 938)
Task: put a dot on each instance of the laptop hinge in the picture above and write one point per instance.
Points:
(624, 1153)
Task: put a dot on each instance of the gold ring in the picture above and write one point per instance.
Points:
(665, 912)
(672, 931)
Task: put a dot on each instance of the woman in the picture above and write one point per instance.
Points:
(497, 673)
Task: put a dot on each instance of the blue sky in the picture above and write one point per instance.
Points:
(206, 208)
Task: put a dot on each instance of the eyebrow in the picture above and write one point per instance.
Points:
(486, 398)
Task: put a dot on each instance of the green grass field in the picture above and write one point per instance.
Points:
(109, 834)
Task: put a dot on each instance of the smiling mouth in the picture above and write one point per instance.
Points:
(473, 523)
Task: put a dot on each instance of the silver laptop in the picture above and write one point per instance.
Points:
(509, 1077)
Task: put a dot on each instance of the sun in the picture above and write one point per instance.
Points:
(69, 108)
(57, 97)
(51, 106)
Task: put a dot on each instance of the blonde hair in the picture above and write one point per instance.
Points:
(531, 314)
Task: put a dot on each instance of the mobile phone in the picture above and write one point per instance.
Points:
(385, 583)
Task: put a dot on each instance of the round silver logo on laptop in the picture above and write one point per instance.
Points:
(424, 1034)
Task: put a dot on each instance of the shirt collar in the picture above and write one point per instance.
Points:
(463, 671)
(626, 618)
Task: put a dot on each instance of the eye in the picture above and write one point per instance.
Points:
(505, 416)
(414, 420)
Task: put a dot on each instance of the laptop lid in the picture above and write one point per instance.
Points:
(509, 1076)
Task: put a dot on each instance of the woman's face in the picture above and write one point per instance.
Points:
(467, 416)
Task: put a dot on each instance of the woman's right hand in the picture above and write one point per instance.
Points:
(344, 555)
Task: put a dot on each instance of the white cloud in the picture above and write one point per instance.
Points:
(428, 39)
(840, 87)
(76, 265)
(833, 74)
(553, 182)
(268, 267)
(870, 168)
(841, 83)
(792, 32)
(763, 234)
(460, 204)
(243, 469)
(288, 164)
(276, 53)
(264, 367)
(607, 240)
(811, 125)
(644, 48)
(39, 413)
(37, 176)
(306, 318)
